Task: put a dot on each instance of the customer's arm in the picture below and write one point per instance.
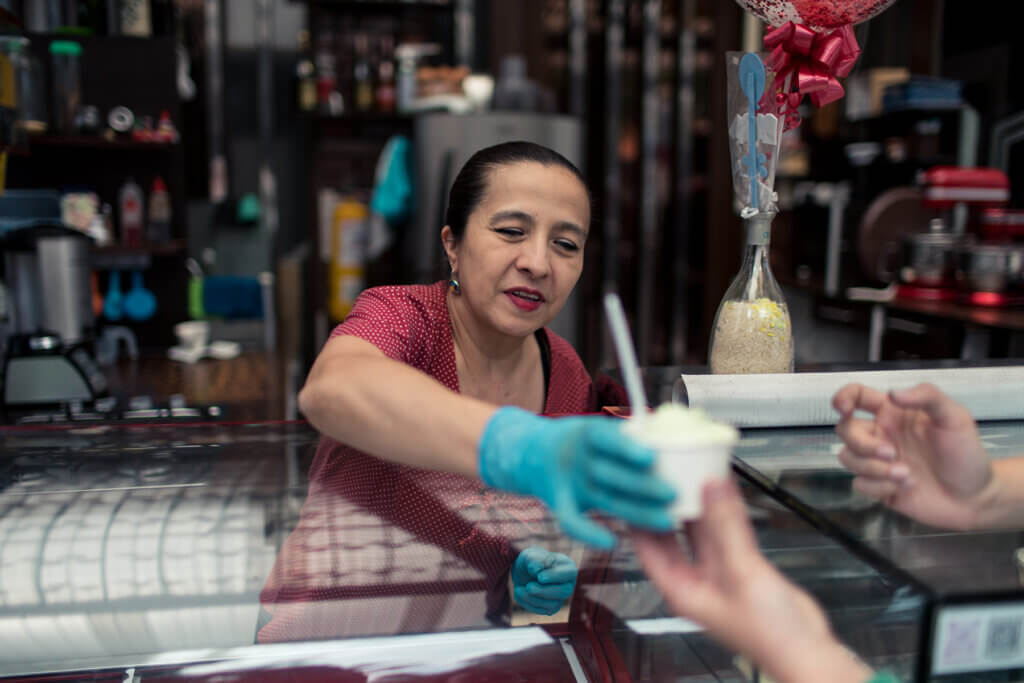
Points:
(742, 600)
(921, 454)
(1005, 504)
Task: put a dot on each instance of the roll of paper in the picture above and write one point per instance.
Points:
(805, 398)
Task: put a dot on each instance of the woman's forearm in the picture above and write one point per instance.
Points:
(390, 410)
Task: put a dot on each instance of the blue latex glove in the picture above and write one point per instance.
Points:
(574, 465)
(543, 580)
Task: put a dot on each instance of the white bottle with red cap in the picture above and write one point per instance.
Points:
(130, 212)
(159, 225)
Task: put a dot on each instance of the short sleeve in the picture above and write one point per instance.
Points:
(388, 319)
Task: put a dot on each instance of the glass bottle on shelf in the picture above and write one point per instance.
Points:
(752, 332)
(329, 100)
(362, 74)
(305, 75)
(384, 94)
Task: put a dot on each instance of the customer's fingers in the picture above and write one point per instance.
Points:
(942, 409)
(864, 438)
(872, 467)
(878, 489)
(857, 397)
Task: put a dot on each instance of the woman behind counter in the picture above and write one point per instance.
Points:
(435, 387)
(415, 375)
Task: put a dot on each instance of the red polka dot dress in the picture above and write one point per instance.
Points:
(383, 548)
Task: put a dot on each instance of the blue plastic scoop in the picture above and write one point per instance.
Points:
(752, 81)
(139, 302)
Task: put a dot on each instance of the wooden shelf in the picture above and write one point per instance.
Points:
(97, 143)
(169, 247)
(379, 5)
(119, 257)
(363, 117)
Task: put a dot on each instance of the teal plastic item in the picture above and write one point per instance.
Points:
(248, 209)
(139, 302)
(65, 47)
(576, 465)
(392, 195)
(112, 304)
(542, 580)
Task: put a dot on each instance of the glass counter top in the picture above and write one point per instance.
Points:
(207, 549)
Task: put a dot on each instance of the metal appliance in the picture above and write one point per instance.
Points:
(932, 258)
(40, 370)
(906, 236)
(443, 143)
(48, 356)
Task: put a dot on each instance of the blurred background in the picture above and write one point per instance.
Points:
(256, 163)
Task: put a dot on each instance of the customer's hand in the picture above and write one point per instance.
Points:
(575, 465)
(921, 454)
(744, 602)
(543, 580)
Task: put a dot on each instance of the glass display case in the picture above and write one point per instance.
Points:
(966, 617)
(210, 550)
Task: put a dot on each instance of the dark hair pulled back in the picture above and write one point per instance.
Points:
(471, 184)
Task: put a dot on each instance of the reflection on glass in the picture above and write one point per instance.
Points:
(382, 548)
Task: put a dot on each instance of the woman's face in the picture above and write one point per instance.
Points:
(522, 251)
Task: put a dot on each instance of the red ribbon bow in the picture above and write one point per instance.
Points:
(817, 60)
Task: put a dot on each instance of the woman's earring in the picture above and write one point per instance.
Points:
(454, 287)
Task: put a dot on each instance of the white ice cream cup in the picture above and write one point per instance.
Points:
(689, 458)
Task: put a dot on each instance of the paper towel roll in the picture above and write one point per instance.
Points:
(805, 398)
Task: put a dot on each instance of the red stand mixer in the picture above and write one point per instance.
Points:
(972, 251)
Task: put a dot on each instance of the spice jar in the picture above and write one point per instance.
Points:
(752, 331)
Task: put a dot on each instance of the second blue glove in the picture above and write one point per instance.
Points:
(543, 580)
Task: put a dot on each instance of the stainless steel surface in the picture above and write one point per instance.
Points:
(989, 267)
(47, 271)
(21, 273)
(929, 258)
(66, 297)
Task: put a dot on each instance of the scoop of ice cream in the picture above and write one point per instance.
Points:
(675, 425)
